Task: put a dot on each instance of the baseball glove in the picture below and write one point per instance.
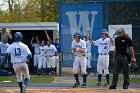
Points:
(134, 67)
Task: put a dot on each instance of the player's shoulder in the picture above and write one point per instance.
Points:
(52, 46)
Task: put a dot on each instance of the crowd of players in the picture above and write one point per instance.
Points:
(45, 57)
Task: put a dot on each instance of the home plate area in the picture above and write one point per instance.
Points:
(68, 90)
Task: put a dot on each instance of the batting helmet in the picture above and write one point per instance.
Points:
(18, 36)
(77, 34)
(104, 31)
(134, 67)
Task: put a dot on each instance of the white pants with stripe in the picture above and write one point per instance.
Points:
(21, 69)
(80, 61)
(103, 64)
(51, 62)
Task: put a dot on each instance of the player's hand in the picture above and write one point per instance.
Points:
(36, 37)
(74, 49)
(46, 32)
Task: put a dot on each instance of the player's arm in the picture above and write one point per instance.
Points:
(55, 50)
(83, 49)
(131, 50)
(47, 35)
(28, 52)
(9, 33)
(91, 41)
(111, 39)
(32, 40)
(37, 39)
(114, 54)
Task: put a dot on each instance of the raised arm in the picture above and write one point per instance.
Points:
(47, 35)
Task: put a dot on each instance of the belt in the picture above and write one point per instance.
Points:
(19, 62)
(50, 56)
(80, 55)
(103, 54)
(121, 54)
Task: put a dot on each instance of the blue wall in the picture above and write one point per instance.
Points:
(78, 17)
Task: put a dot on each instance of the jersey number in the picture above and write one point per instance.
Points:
(17, 52)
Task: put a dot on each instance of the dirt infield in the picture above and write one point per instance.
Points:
(68, 90)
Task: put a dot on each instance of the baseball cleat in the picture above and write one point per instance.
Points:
(98, 84)
(76, 84)
(112, 87)
(84, 85)
(106, 85)
(24, 89)
(125, 87)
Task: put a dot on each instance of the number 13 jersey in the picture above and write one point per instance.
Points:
(18, 51)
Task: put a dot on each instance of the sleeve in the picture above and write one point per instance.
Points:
(55, 49)
(27, 50)
(72, 44)
(129, 41)
(96, 42)
(8, 50)
(84, 45)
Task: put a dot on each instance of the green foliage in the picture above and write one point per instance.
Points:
(30, 11)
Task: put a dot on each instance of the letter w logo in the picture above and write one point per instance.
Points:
(80, 21)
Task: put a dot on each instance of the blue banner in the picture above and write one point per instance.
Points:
(77, 17)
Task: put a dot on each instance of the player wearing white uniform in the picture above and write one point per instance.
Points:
(89, 42)
(36, 52)
(79, 49)
(50, 52)
(3, 47)
(20, 53)
(42, 59)
(103, 44)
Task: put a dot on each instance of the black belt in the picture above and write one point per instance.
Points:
(18, 62)
(81, 55)
(121, 54)
(103, 54)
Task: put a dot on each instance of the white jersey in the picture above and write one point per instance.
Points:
(50, 50)
(80, 45)
(41, 49)
(3, 47)
(103, 45)
(36, 48)
(18, 51)
(88, 46)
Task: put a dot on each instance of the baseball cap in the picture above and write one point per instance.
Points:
(103, 31)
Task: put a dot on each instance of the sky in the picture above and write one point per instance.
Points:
(3, 7)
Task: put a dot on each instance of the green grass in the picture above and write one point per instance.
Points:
(34, 79)
(120, 80)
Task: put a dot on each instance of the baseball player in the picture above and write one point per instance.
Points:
(103, 44)
(5, 33)
(50, 52)
(36, 51)
(42, 58)
(89, 42)
(57, 45)
(79, 49)
(20, 53)
(3, 47)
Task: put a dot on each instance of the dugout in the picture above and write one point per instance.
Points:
(29, 29)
